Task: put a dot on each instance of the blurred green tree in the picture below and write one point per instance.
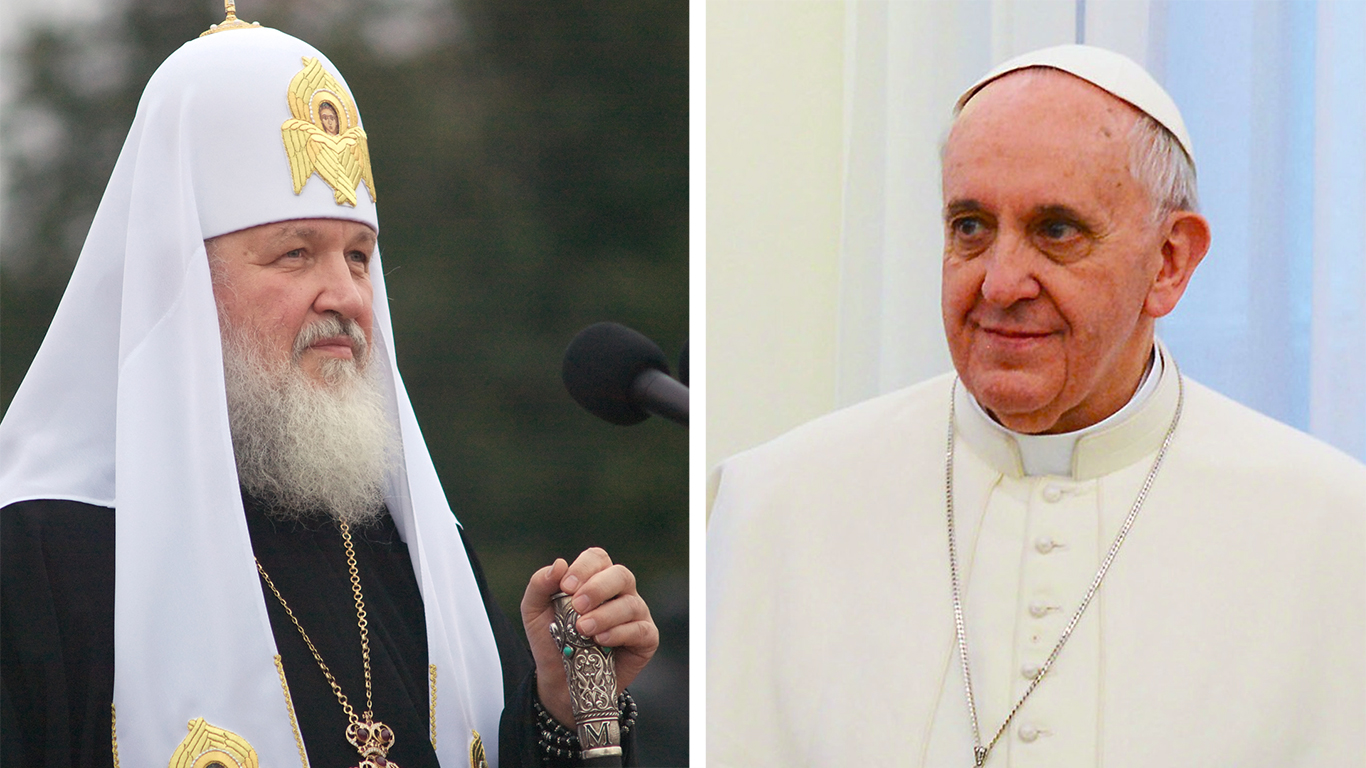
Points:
(531, 161)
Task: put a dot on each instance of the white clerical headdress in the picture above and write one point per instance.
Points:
(124, 405)
(1110, 71)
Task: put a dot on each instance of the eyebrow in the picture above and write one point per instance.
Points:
(1059, 211)
(957, 207)
(286, 231)
(1056, 210)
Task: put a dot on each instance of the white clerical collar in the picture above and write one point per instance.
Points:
(1126, 435)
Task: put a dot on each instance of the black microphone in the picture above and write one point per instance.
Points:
(620, 376)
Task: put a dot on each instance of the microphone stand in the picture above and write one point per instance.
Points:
(591, 672)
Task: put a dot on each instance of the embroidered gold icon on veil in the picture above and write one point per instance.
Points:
(208, 746)
(324, 136)
(477, 759)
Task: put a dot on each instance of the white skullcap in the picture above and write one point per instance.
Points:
(1118, 75)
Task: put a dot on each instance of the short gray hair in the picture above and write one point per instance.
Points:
(1157, 161)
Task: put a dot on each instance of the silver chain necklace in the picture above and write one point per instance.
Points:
(980, 752)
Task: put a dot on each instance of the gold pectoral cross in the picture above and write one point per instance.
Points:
(373, 740)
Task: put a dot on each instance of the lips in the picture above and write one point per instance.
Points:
(1013, 333)
(1006, 340)
(333, 336)
(339, 346)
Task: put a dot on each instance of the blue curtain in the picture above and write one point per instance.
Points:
(1274, 99)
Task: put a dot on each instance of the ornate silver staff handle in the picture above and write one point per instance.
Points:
(592, 674)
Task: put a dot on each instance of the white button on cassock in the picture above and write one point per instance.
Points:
(1029, 671)
(1044, 545)
(1038, 610)
(1052, 494)
(1028, 733)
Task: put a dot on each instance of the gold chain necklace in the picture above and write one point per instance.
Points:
(371, 738)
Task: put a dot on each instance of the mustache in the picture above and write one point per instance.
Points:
(328, 327)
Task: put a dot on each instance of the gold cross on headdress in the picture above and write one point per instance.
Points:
(231, 22)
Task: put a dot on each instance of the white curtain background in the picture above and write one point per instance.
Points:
(1274, 95)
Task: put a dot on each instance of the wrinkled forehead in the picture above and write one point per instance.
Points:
(1043, 95)
(253, 244)
(234, 119)
(1040, 109)
(1038, 138)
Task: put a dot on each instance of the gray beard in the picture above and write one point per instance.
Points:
(307, 448)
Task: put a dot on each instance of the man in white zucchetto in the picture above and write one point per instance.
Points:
(1065, 554)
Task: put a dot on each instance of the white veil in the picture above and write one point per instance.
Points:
(124, 407)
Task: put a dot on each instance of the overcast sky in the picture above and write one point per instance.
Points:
(20, 17)
(23, 15)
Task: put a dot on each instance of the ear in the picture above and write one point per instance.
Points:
(1187, 241)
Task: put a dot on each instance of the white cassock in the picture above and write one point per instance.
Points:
(1230, 631)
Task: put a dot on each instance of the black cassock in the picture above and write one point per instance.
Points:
(57, 638)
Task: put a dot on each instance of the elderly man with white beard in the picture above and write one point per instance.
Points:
(224, 542)
(308, 424)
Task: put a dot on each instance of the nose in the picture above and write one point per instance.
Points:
(339, 289)
(1010, 272)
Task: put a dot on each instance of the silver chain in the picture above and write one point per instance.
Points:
(980, 752)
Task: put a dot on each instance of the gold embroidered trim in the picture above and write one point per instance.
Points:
(477, 757)
(114, 732)
(431, 671)
(289, 705)
(324, 135)
(207, 745)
